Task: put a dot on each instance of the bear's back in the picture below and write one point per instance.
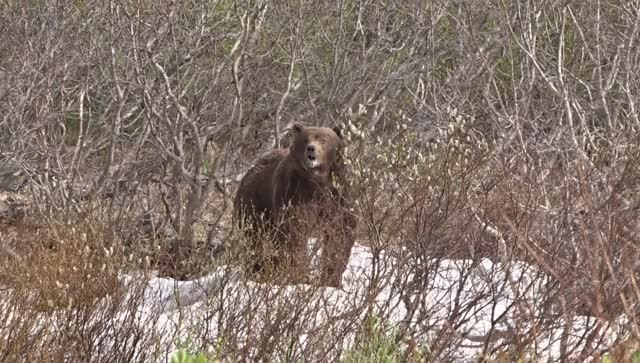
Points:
(254, 195)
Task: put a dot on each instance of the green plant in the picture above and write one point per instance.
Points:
(183, 356)
(374, 344)
(188, 352)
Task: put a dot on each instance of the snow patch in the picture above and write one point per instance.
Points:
(487, 296)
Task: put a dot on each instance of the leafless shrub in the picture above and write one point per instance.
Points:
(63, 297)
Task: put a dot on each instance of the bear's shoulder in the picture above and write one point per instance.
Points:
(274, 156)
(269, 161)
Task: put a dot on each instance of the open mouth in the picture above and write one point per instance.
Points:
(312, 162)
(314, 167)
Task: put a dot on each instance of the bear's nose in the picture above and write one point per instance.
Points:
(311, 148)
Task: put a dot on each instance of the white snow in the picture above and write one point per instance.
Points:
(480, 292)
(454, 298)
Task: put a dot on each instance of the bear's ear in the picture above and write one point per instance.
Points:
(337, 130)
(297, 127)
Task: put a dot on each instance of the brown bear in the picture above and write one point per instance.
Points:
(291, 194)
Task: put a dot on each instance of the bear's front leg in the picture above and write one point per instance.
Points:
(292, 250)
(338, 242)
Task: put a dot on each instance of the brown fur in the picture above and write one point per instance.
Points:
(289, 194)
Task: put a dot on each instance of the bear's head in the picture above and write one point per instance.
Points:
(317, 150)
